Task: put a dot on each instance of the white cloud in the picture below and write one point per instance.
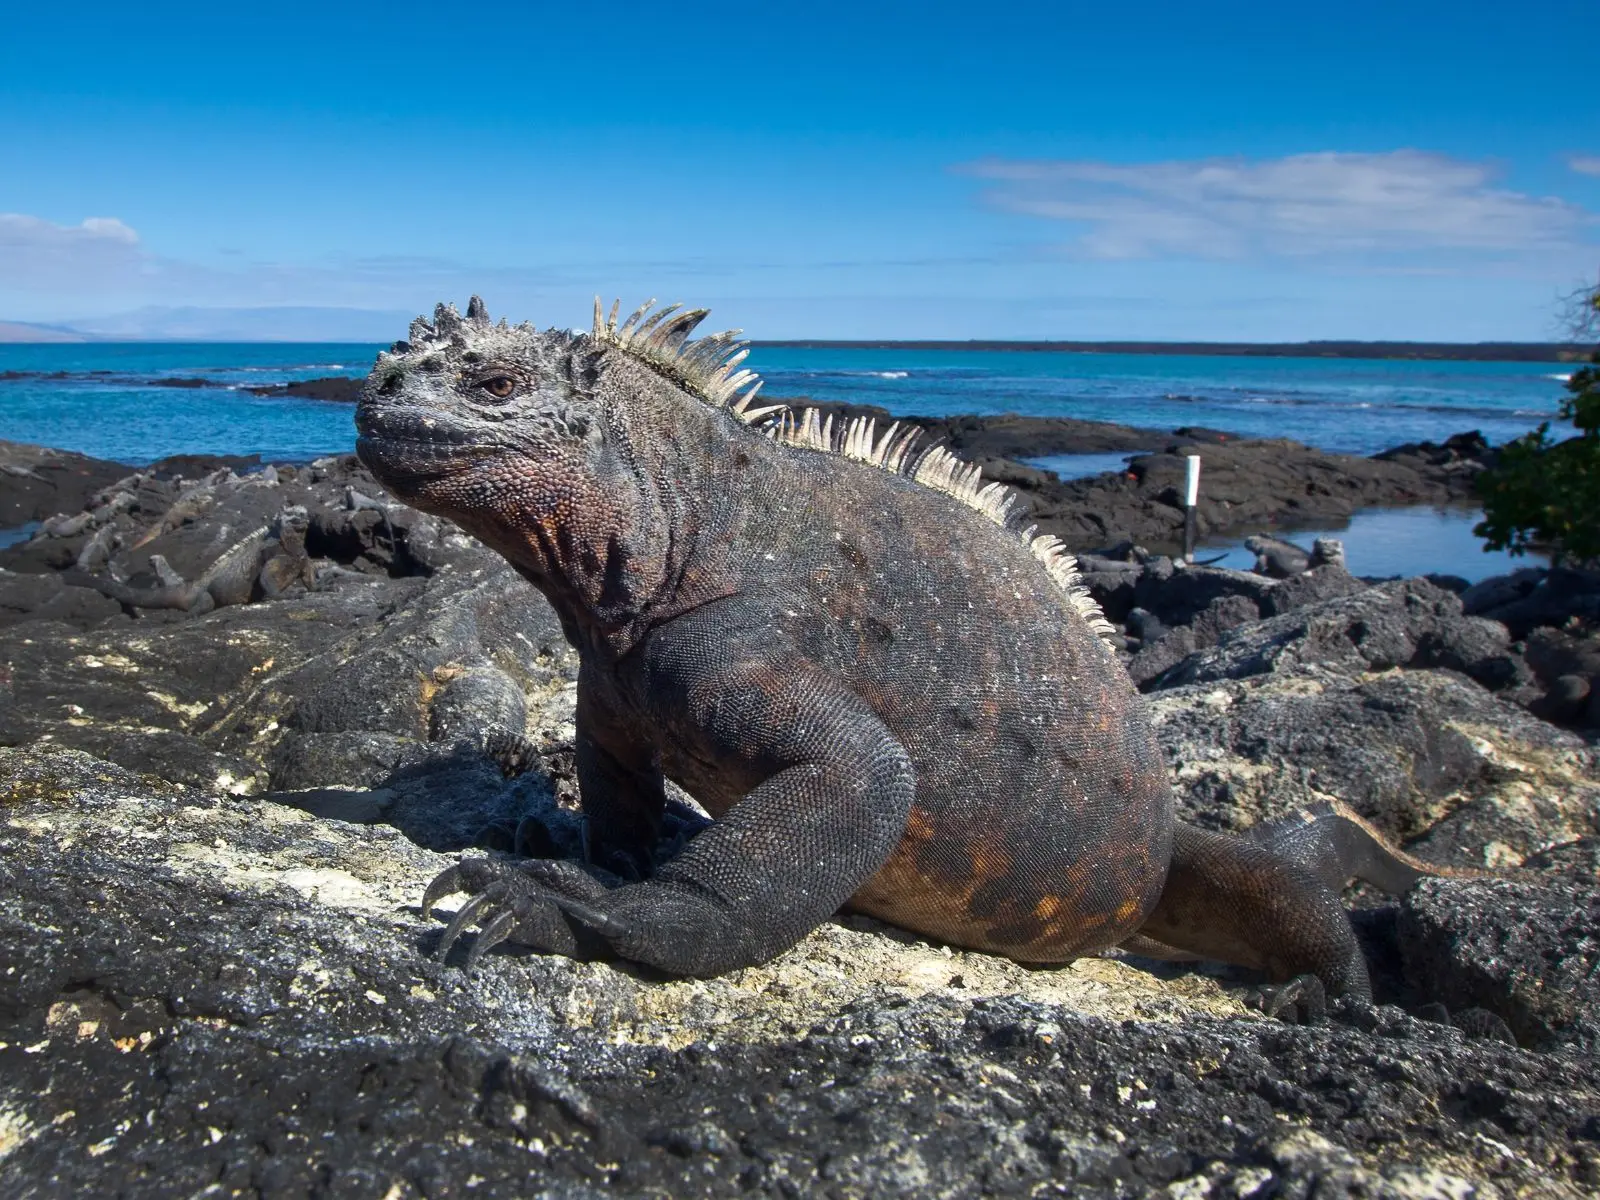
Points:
(108, 227)
(1301, 205)
(1584, 164)
(36, 253)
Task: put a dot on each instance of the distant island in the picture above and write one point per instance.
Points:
(1543, 352)
(304, 321)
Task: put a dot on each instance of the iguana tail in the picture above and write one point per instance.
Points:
(185, 597)
(1270, 899)
(1337, 844)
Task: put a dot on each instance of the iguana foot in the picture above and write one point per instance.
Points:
(636, 861)
(520, 902)
(554, 906)
(1301, 1001)
(1483, 1025)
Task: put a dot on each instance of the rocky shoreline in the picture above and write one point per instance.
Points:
(219, 817)
(1249, 484)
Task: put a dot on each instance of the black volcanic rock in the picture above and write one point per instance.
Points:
(36, 482)
(1459, 457)
(1400, 623)
(338, 388)
(1532, 597)
(1245, 486)
(331, 387)
(181, 381)
(211, 987)
(1524, 950)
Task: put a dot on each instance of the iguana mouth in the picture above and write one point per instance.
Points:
(403, 461)
(406, 424)
(408, 447)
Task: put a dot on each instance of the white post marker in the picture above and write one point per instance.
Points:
(1191, 497)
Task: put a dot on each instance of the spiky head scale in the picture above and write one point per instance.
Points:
(452, 335)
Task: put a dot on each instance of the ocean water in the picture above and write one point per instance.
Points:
(117, 416)
(1396, 541)
(1357, 406)
(105, 406)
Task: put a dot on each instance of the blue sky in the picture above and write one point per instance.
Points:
(1221, 171)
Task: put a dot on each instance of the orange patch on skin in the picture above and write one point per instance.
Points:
(919, 826)
(955, 896)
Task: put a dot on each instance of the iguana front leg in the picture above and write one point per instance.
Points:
(834, 791)
(622, 792)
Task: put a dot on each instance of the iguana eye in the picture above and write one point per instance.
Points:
(499, 386)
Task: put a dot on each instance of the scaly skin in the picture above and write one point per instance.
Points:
(879, 693)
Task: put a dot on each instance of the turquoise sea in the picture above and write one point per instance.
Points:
(102, 401)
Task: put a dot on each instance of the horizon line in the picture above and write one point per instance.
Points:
(1480, 350)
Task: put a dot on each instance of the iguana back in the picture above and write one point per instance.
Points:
(1042, 820)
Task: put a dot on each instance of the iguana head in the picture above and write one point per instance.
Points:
(532, 441)
(499, 428)
(443, 412)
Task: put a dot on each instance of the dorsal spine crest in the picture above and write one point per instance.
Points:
(709, 369)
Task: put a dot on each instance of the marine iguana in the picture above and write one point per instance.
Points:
(1277, 558)
(264, 563)
(885, 687)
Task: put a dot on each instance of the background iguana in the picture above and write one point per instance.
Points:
(264, 563)
(887, 690)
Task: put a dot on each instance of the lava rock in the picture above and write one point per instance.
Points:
(1247, 485)
(1463, 776)
(1526, 951)
(1326, 582)
(36, 482)
(1530, 598)
(341, 389)
(209, 990)
(1401, 623)
(216, 830)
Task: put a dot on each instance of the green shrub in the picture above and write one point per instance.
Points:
(1544, 494)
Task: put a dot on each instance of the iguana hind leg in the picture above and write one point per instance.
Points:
(1244, 902)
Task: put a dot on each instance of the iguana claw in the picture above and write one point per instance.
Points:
(447, 882)
(496, 930)
(465, 916)
(523, 902)
(1299, 1001)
